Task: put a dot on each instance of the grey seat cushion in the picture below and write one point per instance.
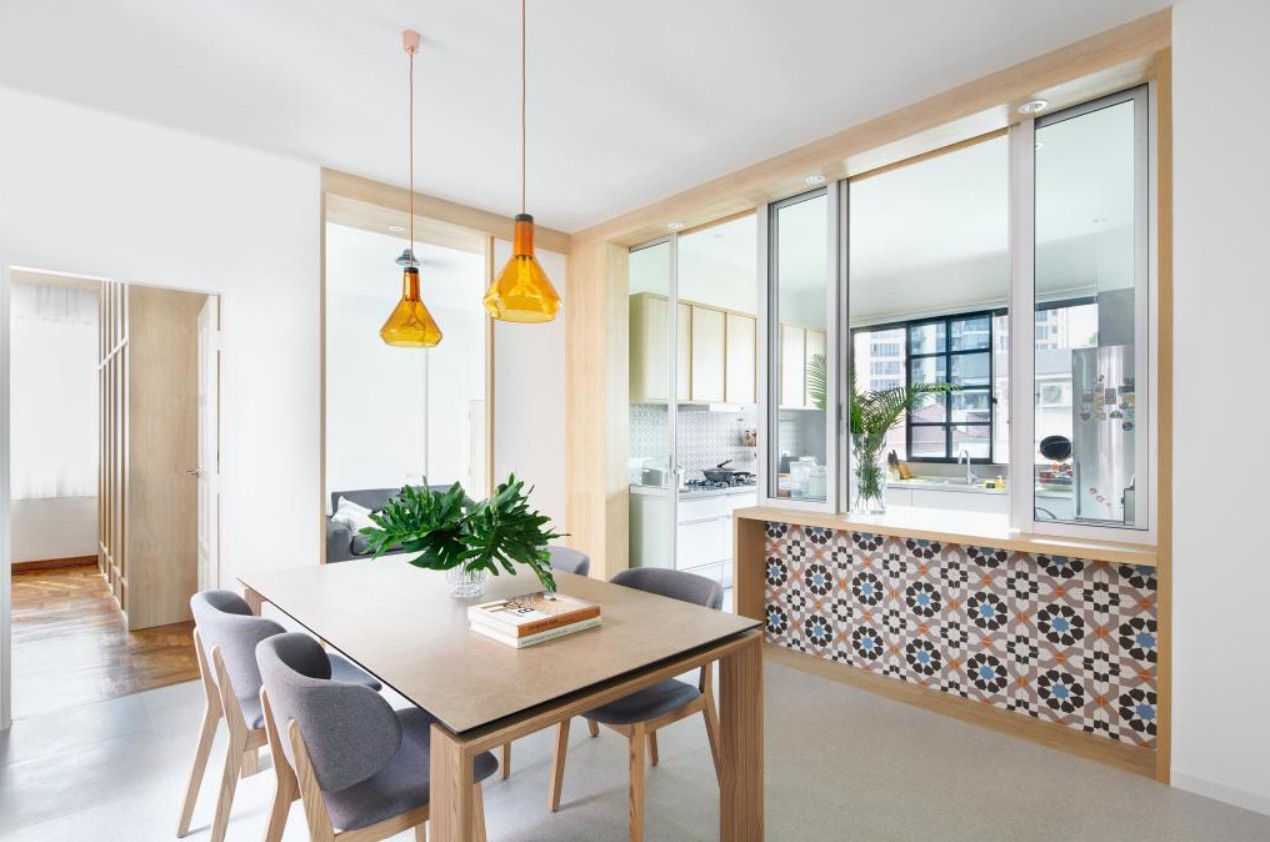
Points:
(647, 704)
(402, 784)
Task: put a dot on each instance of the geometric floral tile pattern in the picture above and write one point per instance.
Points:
(1055, 638)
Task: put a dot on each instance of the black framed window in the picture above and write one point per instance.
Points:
(956, 349)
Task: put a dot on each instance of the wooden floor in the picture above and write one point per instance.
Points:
(70, 645)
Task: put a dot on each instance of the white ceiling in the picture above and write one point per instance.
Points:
(628, 103)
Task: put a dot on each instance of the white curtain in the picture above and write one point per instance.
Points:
(53, 391)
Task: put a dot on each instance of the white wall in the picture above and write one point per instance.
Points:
(54, 528)
(84, 192)
(1221, 733)
(529, 398)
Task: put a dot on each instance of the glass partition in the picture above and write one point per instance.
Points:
(928, 295)
(798, 323)
(1092, 308)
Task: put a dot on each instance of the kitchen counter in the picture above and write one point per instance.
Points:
(695, 493)
(944, 485)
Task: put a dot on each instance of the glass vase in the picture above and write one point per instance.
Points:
(870, 479)
(466, 584)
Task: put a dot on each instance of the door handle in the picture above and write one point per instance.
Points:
(195, 472)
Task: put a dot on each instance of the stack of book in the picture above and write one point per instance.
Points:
(525, 620)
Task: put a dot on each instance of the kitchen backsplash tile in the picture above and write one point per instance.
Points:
(705, 438)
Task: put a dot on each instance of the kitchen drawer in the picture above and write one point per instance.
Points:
(704, 542)
(742, 501)
(702, 508)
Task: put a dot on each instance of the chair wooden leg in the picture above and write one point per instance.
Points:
(711, 715)
(638, 740)
(653, 757)
(206, 734)
(478, 813)
(251, 762)
(421, 832)
(505, 766)
(593, 727)
(228, 784)
(557, 765)
(286, 788)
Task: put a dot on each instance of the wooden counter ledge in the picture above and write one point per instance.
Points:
(967, 528)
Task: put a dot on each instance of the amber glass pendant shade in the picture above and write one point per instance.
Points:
(410, 325)
(522, 292)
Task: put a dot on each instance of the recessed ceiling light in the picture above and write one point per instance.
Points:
(396, 229)
(1034, 106)
(675, 226)
(815, 179)
(1039, 144)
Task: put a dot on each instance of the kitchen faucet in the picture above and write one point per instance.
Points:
(970, 474)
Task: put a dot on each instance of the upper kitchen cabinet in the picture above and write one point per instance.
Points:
(709, 351)
(649, 369)
(716, 353)
(742, 342)
(799, 348)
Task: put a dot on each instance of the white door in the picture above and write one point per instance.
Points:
(209, 444)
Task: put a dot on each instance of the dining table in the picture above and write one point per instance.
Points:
(401, 624)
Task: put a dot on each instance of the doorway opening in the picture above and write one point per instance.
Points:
(113, 484)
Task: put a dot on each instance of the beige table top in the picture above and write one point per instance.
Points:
(401, 625)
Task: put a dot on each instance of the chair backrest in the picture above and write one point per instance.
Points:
(676, 584)
(568, 560)
(350, 732)
(224, 620)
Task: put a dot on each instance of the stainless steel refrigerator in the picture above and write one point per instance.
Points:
(1104, 430)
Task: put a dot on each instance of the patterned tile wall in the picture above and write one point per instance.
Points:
(705, 438)
(1058, 639)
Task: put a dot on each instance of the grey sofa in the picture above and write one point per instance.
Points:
(341, 543)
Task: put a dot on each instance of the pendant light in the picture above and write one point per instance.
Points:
(410, 325)
(522, 292)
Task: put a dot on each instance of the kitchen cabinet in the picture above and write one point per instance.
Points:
(793, 366)
(798, 346)
(709, 349)
(649, 369)
(742, 361)
(703, 530)
(716, 353)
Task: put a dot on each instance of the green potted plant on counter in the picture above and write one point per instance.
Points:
(468, 540)
(874, 413)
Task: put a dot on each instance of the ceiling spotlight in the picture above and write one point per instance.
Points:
(396, 229)
(814, 179)
(1034, 106)
(1039, 144)
(675, 226)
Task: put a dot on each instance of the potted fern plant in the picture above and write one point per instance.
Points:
(468, 540)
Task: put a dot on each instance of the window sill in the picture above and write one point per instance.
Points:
(957, 527)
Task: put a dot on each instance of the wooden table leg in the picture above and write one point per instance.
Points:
(452, 809)
(254, 600)
(741, 727)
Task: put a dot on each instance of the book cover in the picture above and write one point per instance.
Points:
(540, 637)
(522, 616)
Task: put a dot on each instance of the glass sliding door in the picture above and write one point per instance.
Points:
(656, 381)
(801, 336)
(1091, 433)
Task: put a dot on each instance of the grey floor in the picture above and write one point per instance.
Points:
(841, 765)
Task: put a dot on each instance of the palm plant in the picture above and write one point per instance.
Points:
(874, 413)
(448, 530)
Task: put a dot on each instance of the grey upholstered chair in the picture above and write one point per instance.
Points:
(358, 764)
(569, 560)
(639, 715)
(563, 560)
(225, 638)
